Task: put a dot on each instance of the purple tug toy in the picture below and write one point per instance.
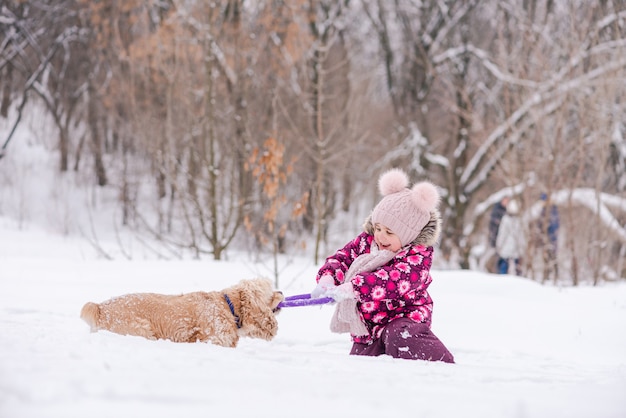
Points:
(303, 300)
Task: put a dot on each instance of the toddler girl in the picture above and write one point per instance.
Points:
(380, 279)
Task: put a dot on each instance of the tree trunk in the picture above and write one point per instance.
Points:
(96, 138)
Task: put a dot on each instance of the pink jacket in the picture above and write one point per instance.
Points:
(398, 289)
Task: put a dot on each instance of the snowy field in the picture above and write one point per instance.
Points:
(522, 349)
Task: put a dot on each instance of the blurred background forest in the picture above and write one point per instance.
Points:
(264, 125)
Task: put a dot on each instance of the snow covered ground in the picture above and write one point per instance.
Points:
(522, 349)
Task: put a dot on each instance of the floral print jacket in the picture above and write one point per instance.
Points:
(397, 289)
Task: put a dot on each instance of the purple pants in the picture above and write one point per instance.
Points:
(407, 339)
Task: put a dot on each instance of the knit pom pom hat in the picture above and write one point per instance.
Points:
(404, 211)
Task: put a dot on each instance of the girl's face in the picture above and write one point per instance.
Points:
(386, 239)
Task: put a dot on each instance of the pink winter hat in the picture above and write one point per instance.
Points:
(404, 211)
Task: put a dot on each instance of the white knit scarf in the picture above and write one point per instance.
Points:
(346, 317)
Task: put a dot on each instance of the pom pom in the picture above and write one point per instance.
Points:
(425, 196)
(392, 181)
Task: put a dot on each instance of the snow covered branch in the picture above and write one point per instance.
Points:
(547, 91)
(596, 202)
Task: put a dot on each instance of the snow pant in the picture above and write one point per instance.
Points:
(407, 339)
(503, 265)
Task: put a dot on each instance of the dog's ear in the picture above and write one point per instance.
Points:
(257, 316)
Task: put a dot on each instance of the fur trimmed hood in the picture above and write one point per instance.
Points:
(429, 235)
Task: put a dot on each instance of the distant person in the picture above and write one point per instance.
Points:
(548, 225)
(497, 212)
(510, 241)
(380, 278)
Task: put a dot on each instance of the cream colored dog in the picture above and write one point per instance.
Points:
(246, 309)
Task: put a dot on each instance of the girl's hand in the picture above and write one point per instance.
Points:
(325, 285)
(342, 292)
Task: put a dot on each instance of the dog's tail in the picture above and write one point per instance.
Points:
(90, 314)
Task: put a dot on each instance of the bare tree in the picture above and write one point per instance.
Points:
(484, 98)
(324, 108)
(501, 90)
(40, 55)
